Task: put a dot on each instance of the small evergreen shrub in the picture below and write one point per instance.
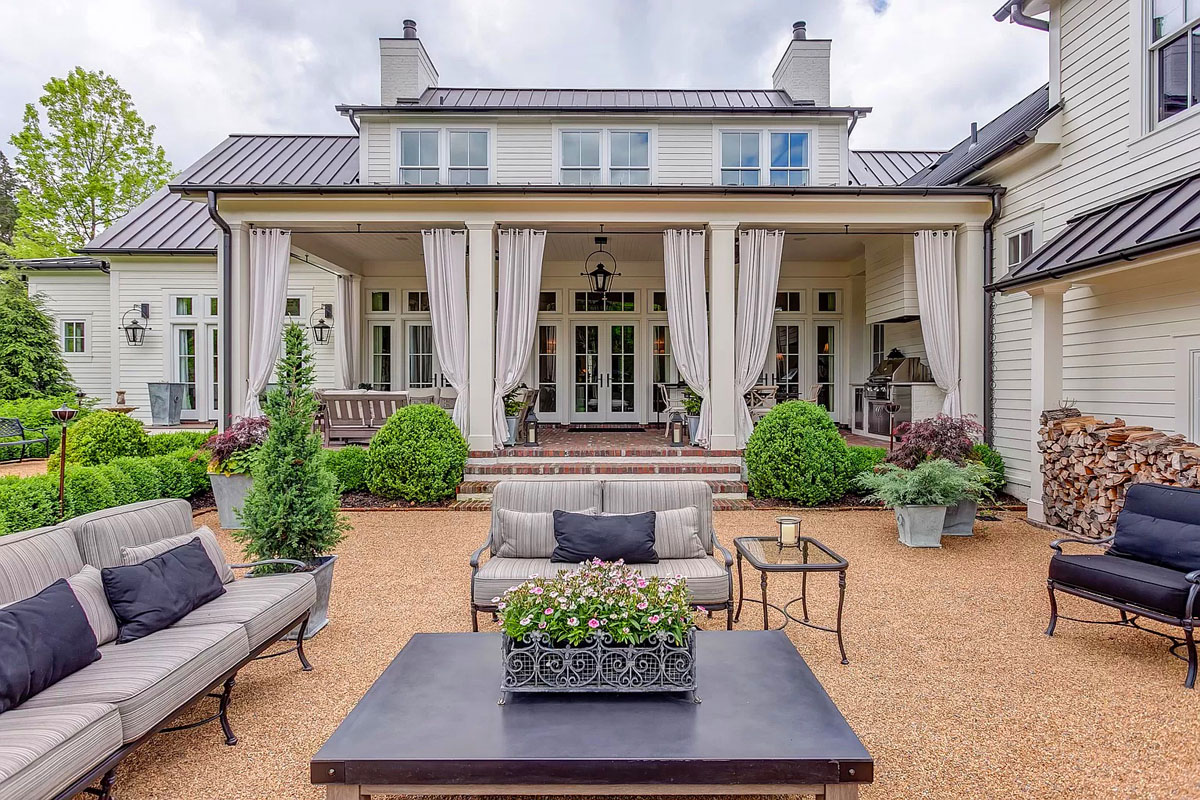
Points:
(349, 467)
(863, 459)
(147, 482)
(27, 503)
(995, 464)
(175, 480)
(163, 443)
(418, 455)
(125, 489)
(31, 362)
(936, 482)
(796, 453)
(102, 436)
(87, 489)
(942, 436)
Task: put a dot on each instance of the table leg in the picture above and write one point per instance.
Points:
(839, 791)
(763, 583)
(804, 586)
(340, 791)
(741, 592)
(841, 602)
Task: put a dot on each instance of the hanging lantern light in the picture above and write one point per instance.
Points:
(135, 331)
(320, 329)
(600, 277)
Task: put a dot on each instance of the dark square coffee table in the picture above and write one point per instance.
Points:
(431, 726)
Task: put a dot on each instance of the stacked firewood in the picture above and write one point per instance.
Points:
(1087, 463)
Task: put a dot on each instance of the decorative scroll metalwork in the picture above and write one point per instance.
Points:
(599, 665)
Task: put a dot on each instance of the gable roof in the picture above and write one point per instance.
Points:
(1006, 132)
(1155, 220)
(887, 167)
(167, 222)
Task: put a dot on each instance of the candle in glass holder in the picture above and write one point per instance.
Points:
(789, 531)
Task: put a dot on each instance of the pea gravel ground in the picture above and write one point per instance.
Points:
(952, 686)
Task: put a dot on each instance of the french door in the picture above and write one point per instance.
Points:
(195, 353)
(424, 372)
(604, 372)
(786, 370)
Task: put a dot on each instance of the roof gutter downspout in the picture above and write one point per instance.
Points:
(989, 322)
(853, 121)
(226, 307)
(1016, 13)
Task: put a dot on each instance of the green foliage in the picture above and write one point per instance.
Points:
(92, 162)
(692, 402)
(796, 453)
(88, 489)
(291, 510)
(173, 475)
(31, 363)
(512, 403)
(992, 460)
(349, 467)
(27, 503)
(8, 201)
(147, 482)
(195, 466)
(102, 436)
(862, 459)
(938, 482)
(125, 490)
(162, 443)
(418, 455)
(34, 413)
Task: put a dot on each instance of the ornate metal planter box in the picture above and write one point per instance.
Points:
(599, 665)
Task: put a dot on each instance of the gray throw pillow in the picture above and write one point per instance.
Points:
(526, 534)
(136, 555)
(88, 587)
(677, 533)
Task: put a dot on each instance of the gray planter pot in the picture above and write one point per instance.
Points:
(230, 493)
(693, 425)
(318, 617)
(960, 518)
(512, 431)
(920, 526)
(166, 403)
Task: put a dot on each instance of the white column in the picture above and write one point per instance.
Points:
(969, 260)
(481, 316)
(722, 303)
(238, 297)
(1045, 380)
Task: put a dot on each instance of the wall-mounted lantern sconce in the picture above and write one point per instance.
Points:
(135, 331)
(321, 328)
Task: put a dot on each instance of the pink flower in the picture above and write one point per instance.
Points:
(593, 623)
(641, 583)
(549, 611)
(573, 621)
(542, 625)
(526, 621)
(642, 606)
(537, 590)
(701, 609)
(654, 618)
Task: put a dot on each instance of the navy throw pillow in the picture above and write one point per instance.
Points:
(43, 639)
(160, 591)
(582, 537)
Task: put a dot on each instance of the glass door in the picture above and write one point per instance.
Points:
(621, 379)
(423, 368)
(826, 366)
(586, 375)
(546, 372)
(381, 357)
(664, 370)
(185, 369)
(214, 377)
(605, 366)
(787, 371)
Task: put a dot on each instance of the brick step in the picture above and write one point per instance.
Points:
(732, 462)
(481, 490)
(616, 452)
(572, 468)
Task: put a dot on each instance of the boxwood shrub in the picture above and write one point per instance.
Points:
(28, 502)
(995, 464)
(102, 436)
(125, 491)
(162, 443)
(87, 489)
(146, 480)
(174, 477)
(862, 459)
(349, 466)
(418, 455)
(796, 453)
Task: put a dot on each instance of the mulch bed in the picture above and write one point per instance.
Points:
(365, 501)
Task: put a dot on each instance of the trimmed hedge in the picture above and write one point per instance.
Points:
(995, 464)
(88, 489)
(160, 444)
(796, 453)
(27, 503)
(863, 458)
(35, 413)
(102, 436)
(418, 455)
(146, 478)
(349, 467)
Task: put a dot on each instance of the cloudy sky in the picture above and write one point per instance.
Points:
(200, 69)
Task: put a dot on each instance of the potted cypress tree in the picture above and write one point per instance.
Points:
(921, 495)
(292, 508)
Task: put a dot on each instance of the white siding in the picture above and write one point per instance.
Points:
(1010, 423)
(829, 167)
(907, 337)
(891, 279)
(524, 153)
(380, 152)
(82, 296)
(685, 153)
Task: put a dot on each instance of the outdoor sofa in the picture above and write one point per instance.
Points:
(710, 582)
(74, 732)
(1150, 567)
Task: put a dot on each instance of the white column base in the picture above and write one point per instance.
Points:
(1035, 510)
(480, 443)
(722, 441)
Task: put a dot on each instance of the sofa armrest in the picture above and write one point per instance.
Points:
(1057, 544)
(479, 552)
(300, 566)
(717, 545)
(1193, 576)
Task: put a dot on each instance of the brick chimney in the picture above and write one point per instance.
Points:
(803, 72)
(405, 69)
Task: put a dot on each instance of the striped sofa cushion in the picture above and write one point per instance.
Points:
(32, 560)
(541, 497)
(677, 533)
(527, 534)
(630, 497)
(136, 555)
(263, 605)
(88, 587)
(44, 750)
(102, 534)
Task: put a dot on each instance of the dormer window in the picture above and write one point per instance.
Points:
(444, 156)
(789, 159)
(419, 157)
(468, 157)
(740, 158)
(581, 158)
(629, 158)
(1174, 56)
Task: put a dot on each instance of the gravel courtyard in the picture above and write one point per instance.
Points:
(952, 686)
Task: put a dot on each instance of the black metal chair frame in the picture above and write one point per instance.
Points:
(106, 771)
(11, 426)
(1187, 622)
(727, 606)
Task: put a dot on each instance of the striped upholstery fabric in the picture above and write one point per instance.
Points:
(263, 605)
(707, 580)
(88, 587)
(677, 533)
(500, 574)
(542, 496)
(32, 560)
(136, 555)
(43, 750)
(150, 678)
(630, 497)
(102, 534)
(527, 534)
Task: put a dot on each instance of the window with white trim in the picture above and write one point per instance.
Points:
(789, 158)
(629, 158)
(878, 343)
(74, 336)
(419, 157)
(740, 161)
(468, 158)
(580, 157)
(1174, 49)
(1020, 247)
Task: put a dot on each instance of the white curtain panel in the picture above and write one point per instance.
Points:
(687, 315)
(516, 318)
(937, 300)
(446, 279)
(759, 254)
(347, 332)
(270, 251)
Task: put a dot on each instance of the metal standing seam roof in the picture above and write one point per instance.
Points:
(888, 167)
(1011, 129)
(1154, 220)
(167, 222)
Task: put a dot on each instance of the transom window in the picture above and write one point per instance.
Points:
(789, 159)
(418, 301)
(789, 301)
(381, 301)
(1174, 56)
(1020, 247)
(827, 301)
(548, 301)
(740, 160)
(183, 306)
(629, 158)
(468, 157)
(613, 301)
(419, 157)
(658, 301)
(291, 307)
(581, 157)
(74, 337)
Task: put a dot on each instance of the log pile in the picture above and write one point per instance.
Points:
(1087, 464)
